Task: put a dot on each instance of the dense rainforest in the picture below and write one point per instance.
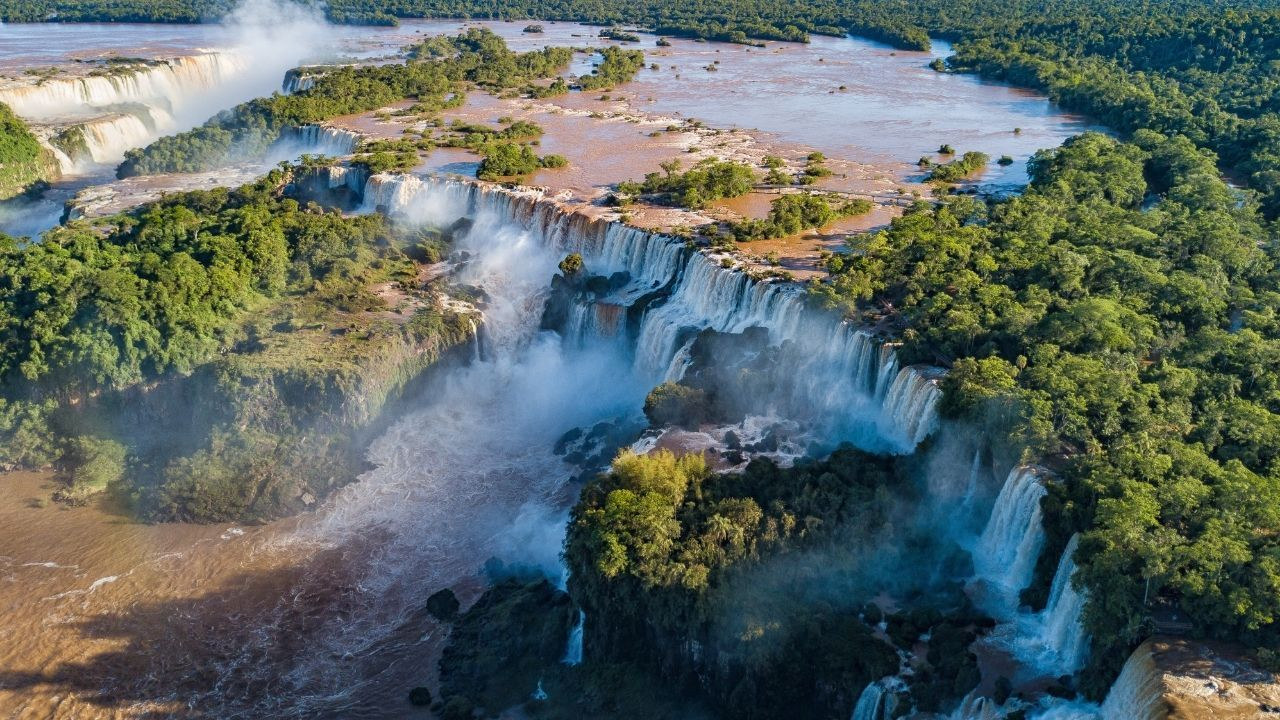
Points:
(1119, 321)
(267, 320)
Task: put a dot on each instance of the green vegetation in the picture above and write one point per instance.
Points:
(437, 76)
(797, 212)
(815, 168)
(381, 156)
(491, 666)
(24, 165)
(667, 550)
(1118, 320)
(708, 181)
(619, 34)
(1186, 67)
(510, 643)
(266, 323)
(510, 160)
(671, 404)
(476, 137)
(617, 66)
(959, 169)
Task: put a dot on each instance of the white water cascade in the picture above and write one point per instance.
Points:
(296, 82)
(316, 140)
(597, 322)
(1138, 694)
(108, 138)
(1062, 632)
(878, 700)
(977, 707)
(837, 374)
(469, 475)
(1006, 553)
(99, 117)
(573, 650)
(170, 83)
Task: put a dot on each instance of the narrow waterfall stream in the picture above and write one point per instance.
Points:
(1006, 554)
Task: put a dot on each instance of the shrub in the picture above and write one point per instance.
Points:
(93, 464)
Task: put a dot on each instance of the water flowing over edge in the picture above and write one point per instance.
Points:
(843, 376)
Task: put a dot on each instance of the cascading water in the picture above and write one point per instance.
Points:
(1006, 553)
(1138, 694)
(878, 700)
(1052, 642)
(106, 139)
(573, 650)
(977, 707)
(171, 83)
(597, 322)
(909, 407)
(837, 375)
(316, 140)
(296, 81)
(91, 121)
(1062, 632)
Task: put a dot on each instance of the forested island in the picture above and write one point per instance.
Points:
(1114, 325)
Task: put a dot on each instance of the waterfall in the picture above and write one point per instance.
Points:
(878, 700)
(108, 138)
(1062, 632)
(971, 489)
(573, 650)
(909, 407)
(1138, 694)
(317, 140)
(834, 373)
(592, 322)
(91, 120)
(977, 707)
(296, 81)
(1010, 545)
(167, 84)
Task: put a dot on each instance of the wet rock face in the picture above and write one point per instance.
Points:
(592, 449)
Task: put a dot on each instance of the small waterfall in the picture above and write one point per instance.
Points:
(1062, 632)
(1138, 694)
(573, 650)
(910, 405)
(296, 81)
(592, 322)
(977, 707)
(680, 363)
(476, 354)
(108, 138)
(1010, 545)
(971, 489)
(318, 140)
(832, 372)
(878, 701)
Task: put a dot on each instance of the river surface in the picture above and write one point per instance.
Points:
(321, 615)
